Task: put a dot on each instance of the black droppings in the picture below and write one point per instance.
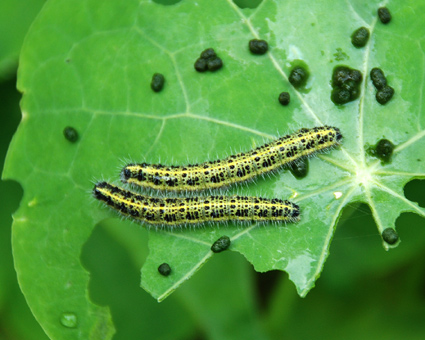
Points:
(346, 84)
(355, 75)
(360, 37)
(340, 96)
(384, 95)
(208, 61)
(257, 46)
(298, 76)
(378, 78)
(300, 168)
(157, 82)
(382, 150)
(284, 98)
(208, 53)
(214, 64)
(385, 92)
(384, 15)
(70, 134)
(164, 269)
(390, 236)
(201, 65)
(340, 75)
(223, 243)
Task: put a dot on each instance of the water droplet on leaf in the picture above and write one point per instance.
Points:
(69, 320)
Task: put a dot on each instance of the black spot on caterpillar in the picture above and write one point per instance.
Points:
(237, 168)
(177, 211)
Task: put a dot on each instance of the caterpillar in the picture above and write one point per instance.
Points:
(237, 168)
(178, 211)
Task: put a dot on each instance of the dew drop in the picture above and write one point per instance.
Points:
(69, 320)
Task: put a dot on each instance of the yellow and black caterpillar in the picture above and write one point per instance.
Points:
(235, 168)
(195, 210)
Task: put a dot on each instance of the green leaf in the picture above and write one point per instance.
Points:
(17, 320)
(15, 19)
(85, 66)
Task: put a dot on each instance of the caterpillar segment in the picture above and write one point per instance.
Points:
(236, 168)
(195, 210)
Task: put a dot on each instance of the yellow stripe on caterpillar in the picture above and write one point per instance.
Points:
(178, 211)
(237, 168)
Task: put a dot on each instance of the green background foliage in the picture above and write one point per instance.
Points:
(15, 19)
(85, 66)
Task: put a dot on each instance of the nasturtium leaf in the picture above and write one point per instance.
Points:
(89, 66)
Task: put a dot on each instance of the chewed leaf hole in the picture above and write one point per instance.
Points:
(266, 283)
(247, 3)
(411, 231)
(115, 276)
(414, 191)
(166, 2)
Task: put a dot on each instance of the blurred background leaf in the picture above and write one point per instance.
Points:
(16, 17)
